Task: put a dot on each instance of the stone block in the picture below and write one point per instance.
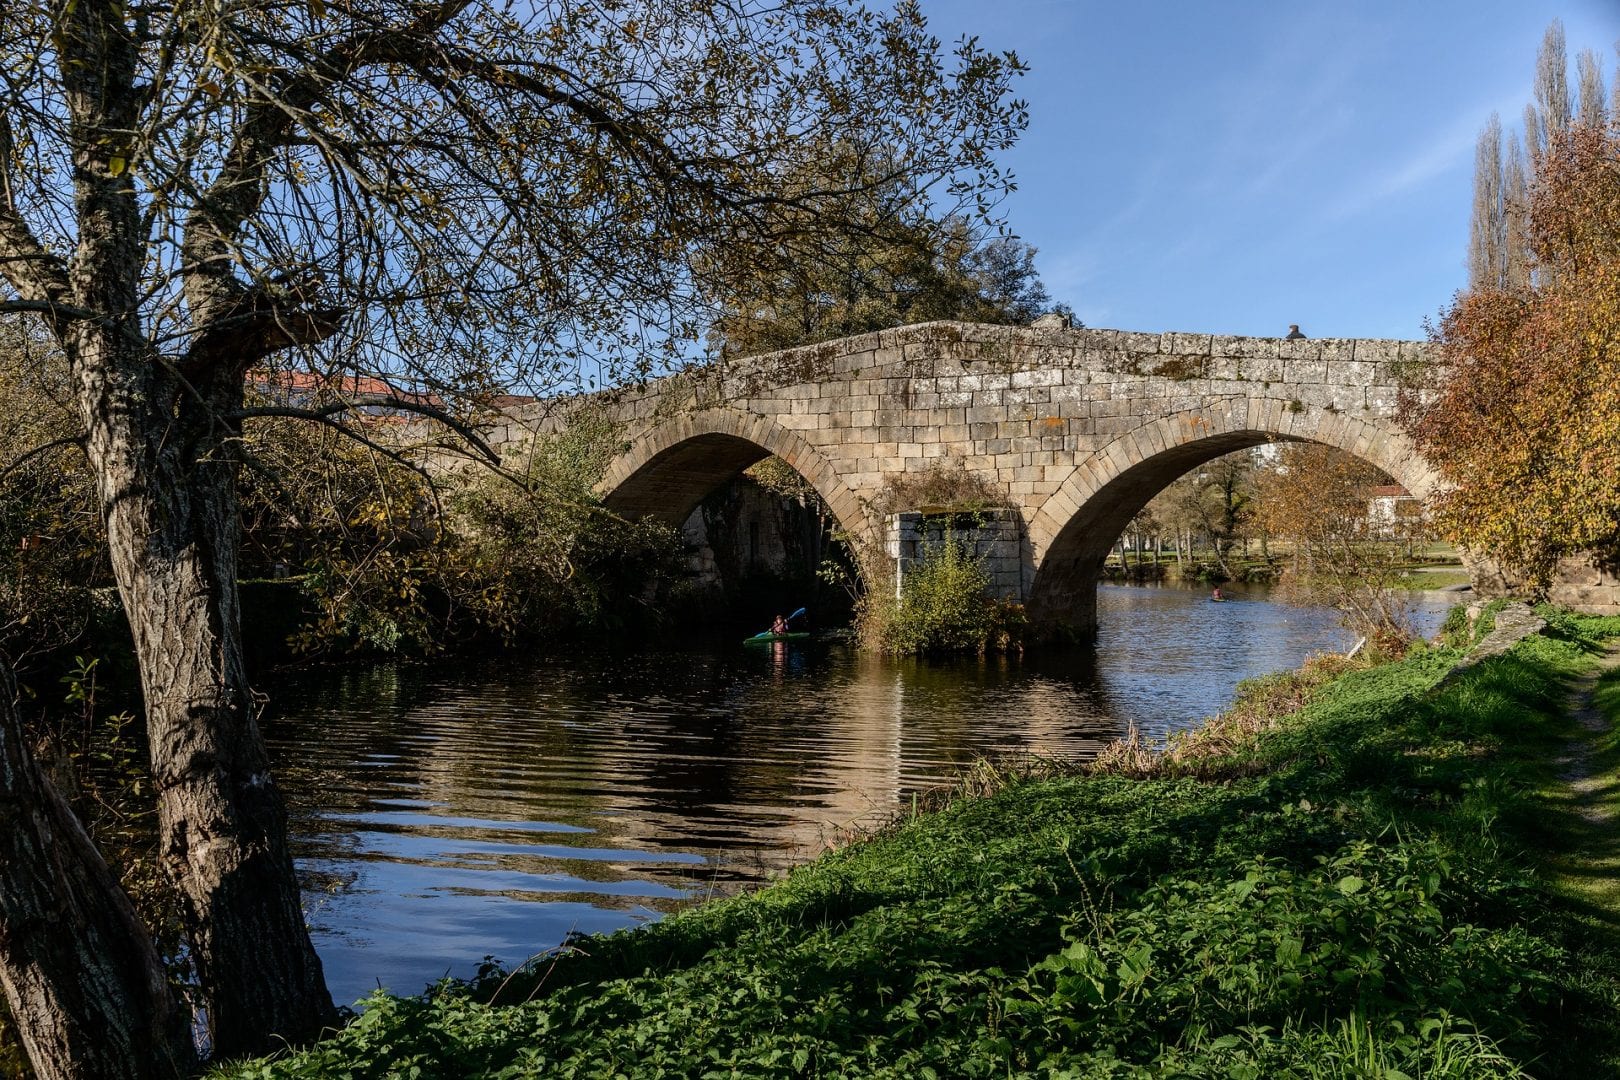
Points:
(1346, 398)
(1037, 377)
(1383, 401)
(1303, 371)
(986, 414)
(1307, 349)
(921, 353)
(1350, 372)
(1243, 347)
(1180, 344)
(1376, 352)
(991, 398)
(1127, 341)
(1337, 348)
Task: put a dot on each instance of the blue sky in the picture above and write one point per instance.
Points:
(1236, 167)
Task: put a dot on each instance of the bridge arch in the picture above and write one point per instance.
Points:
(670, 468)
(1077, 525)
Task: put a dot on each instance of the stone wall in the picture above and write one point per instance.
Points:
(994, 537)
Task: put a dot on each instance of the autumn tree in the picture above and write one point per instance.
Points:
(448, 196)
(1522, 417)
(1319, 499)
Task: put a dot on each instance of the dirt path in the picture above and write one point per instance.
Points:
(1577, 767)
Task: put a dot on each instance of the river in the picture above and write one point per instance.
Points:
(445, 811)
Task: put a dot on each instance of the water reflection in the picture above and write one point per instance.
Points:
(446, 812)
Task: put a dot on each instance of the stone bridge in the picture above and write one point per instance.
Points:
(1080, 428)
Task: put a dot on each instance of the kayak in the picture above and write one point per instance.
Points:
(766, 637)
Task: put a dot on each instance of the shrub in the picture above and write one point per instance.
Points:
(941, 606)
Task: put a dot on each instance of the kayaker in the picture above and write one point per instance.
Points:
(1216, 595)
(779, 625)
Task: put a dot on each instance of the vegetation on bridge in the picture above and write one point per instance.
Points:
(1345, 889)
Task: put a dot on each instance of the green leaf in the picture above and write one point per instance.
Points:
(1351, 885)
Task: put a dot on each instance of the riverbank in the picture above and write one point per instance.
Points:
(1341, 890)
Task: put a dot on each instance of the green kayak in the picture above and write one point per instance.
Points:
(766, 637)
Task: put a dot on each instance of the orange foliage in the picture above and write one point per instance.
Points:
(1523, 420)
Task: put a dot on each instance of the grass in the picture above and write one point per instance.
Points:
(1344, 877)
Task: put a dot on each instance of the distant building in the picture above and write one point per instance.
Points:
(1392, 510)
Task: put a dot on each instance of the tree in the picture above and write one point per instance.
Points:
(1213, 499)
(1523, 417)
(1499, 247)
(445, 195)
(907, 268)
(1318, 498)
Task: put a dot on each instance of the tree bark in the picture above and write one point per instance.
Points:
(164, 460)
(168, 489)
(86, 989)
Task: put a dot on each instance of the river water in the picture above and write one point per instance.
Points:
(442, 813)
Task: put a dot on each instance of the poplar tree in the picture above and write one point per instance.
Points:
(1487, 239)
(1499, 249)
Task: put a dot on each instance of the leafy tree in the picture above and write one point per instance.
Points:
(1523, 417)
(448, 196)
(1318, 497)
(1214, 500)
(903, 271)
(1499, 245)
(49, 528)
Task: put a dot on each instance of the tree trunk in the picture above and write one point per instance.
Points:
(168, 488)
(163, 455)
(87, 992)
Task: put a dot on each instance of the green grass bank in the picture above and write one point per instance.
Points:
(1375, 884)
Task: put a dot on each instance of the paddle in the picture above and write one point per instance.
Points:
(769, 630)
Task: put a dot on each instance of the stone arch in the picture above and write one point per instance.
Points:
(669, 469)
(1078, 524)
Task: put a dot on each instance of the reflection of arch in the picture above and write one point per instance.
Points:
(1078, 524)
(667, 471)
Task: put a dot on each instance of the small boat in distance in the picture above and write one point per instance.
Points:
(779, 631)
(765, 637)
